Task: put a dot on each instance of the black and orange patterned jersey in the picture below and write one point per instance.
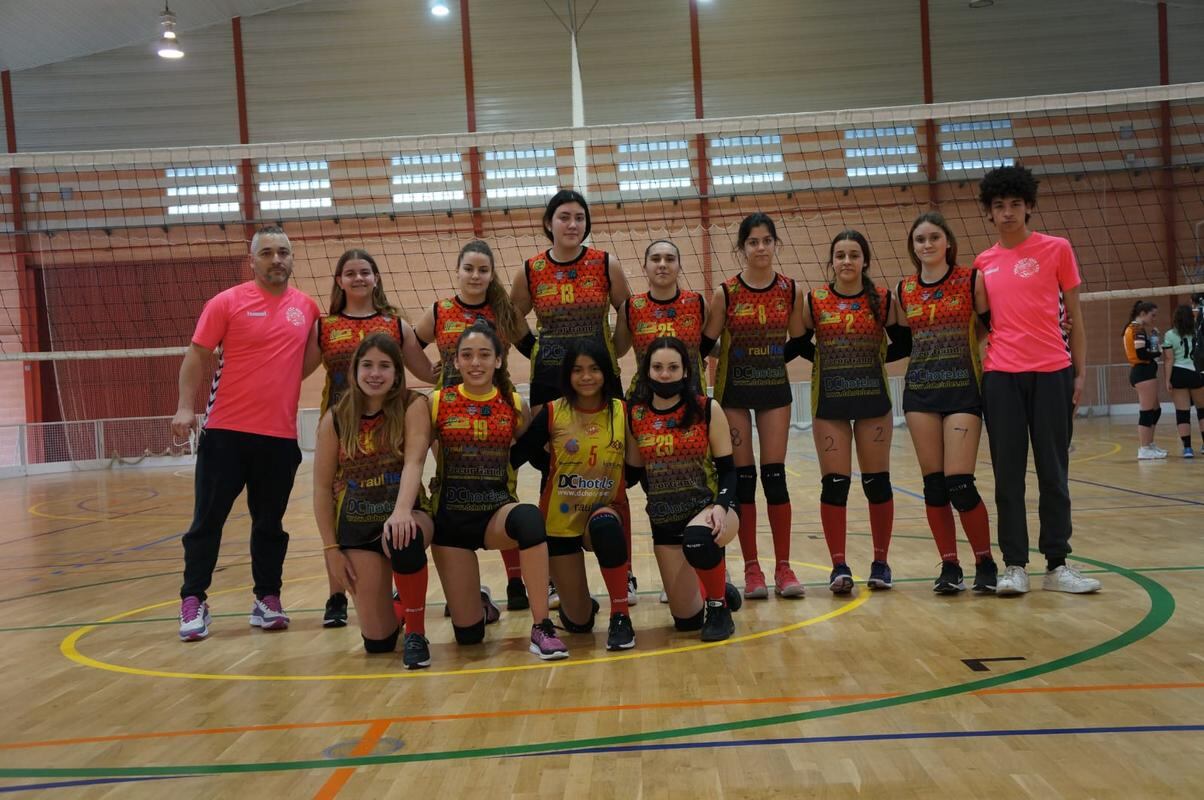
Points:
(848, 375)
(452, 317)
(338, 336)
(365, 487)
(572, 303)
(682, 317)
(752, 365)
(473, 477)
(681, 473)
(586, 472)
(945, 370)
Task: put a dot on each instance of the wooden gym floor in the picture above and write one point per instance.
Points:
(900, 694)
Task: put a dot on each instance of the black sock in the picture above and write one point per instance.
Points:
(1053, 563)
(1186, 440)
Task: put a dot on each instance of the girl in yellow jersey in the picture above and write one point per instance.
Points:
(359, 308)
(679, 449)
(479, 295)
(585, 430)
(368, 497)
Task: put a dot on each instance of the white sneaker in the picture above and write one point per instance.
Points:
(194, 619)
(1161, 453)
(553, 596)
(1068, 579)
(1149, 453)
(1014, 580)
(632, 586)
(664, 598)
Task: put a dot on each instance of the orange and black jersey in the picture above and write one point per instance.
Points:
(452, 317)
(945, 371)
(752, 363)
(365, 486)
(682, 317)
(848, 375)
(682, 479)
(338, 337)
(473, 476)
(572, 304)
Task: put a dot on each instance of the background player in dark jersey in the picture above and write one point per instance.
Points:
(359, 308)
(475, 424)
(665, 309)
(479, 295)
(367, 496)
(585, 433)
(850, 402)
(1143, 348)
(1184, 383)
(679, 449)
(754, 311)
(941, 305)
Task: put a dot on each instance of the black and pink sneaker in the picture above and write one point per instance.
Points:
(545, 643)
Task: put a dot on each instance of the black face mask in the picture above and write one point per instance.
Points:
(667, 389)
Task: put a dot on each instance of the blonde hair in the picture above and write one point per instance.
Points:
(350, 408)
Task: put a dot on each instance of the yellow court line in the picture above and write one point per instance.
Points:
(1115, 449)
(69, 648)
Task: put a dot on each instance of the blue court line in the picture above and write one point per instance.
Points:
(1134, 491)
(33, 787)
(870, 737)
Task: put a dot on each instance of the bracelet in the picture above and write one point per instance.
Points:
(329, 546)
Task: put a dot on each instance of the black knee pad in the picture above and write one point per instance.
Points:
(700, 548)
(1183, 415)
(1199, 414)
(1157, 414)
(609, 543)
(746, 484)
(962, 492)
(687, 624)
(1148, 417)
(834, 489)
(470, 634)
(524, 524)
(773, 481)
(409, 559)
(385, 645)
(575, 627)
(876, 486)
(935, 493)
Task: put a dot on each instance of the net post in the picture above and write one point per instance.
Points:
(931, 167)
(247, 190)
(704, 192)
(1168, 172)
(470, 103)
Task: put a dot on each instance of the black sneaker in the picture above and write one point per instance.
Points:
(516, 595)
(950, 581)
(416, 652)
(573, 627)
(879, 575)
(734, 597)
(840, 581)
(985, 575)
(718, 624)
(336, 611)
(621, 635)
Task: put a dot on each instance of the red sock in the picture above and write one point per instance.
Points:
(940, 520)
(835, 522)
(748, 531)
(779, 525)
(713, 581)
(616, 587)
(978, 530)
(510, 559)
(623, 509)
(412, 590)
(882, 520)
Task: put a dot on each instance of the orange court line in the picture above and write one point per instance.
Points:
(364, 748)
(536, 712)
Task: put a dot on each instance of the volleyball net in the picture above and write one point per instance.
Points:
(108, 256)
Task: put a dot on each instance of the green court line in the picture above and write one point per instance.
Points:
(1162, 608)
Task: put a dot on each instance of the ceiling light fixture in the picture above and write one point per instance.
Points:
(169, 43)
(439, 8)
(981, 3)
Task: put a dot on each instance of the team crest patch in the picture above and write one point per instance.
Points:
(538, 264)
(638, 302)
(295, 315)
(820, 294)
(338, 336)
(1026, 268)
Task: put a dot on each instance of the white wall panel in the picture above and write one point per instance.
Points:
(131, 98)
(336, 69)
(520, 56)
(778, 56)
(1023, 47)
(635, 62)
(1185, 35)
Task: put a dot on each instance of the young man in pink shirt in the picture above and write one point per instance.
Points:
(249, 437)
(1032, 379)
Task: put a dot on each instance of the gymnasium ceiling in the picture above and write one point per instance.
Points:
(37, 32)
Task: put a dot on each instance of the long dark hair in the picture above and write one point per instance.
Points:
(501, 376)
(932, 218)
(1140, 307)
(611, 388)
(643, 384)
(508, 320)
(867, 284)
(1184, 321)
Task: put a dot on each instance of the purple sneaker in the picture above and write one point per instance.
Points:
(268, 614)
(194, 619)
(545, 644)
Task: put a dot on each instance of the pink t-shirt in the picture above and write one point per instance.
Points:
(1024, 289)
(258, 379)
